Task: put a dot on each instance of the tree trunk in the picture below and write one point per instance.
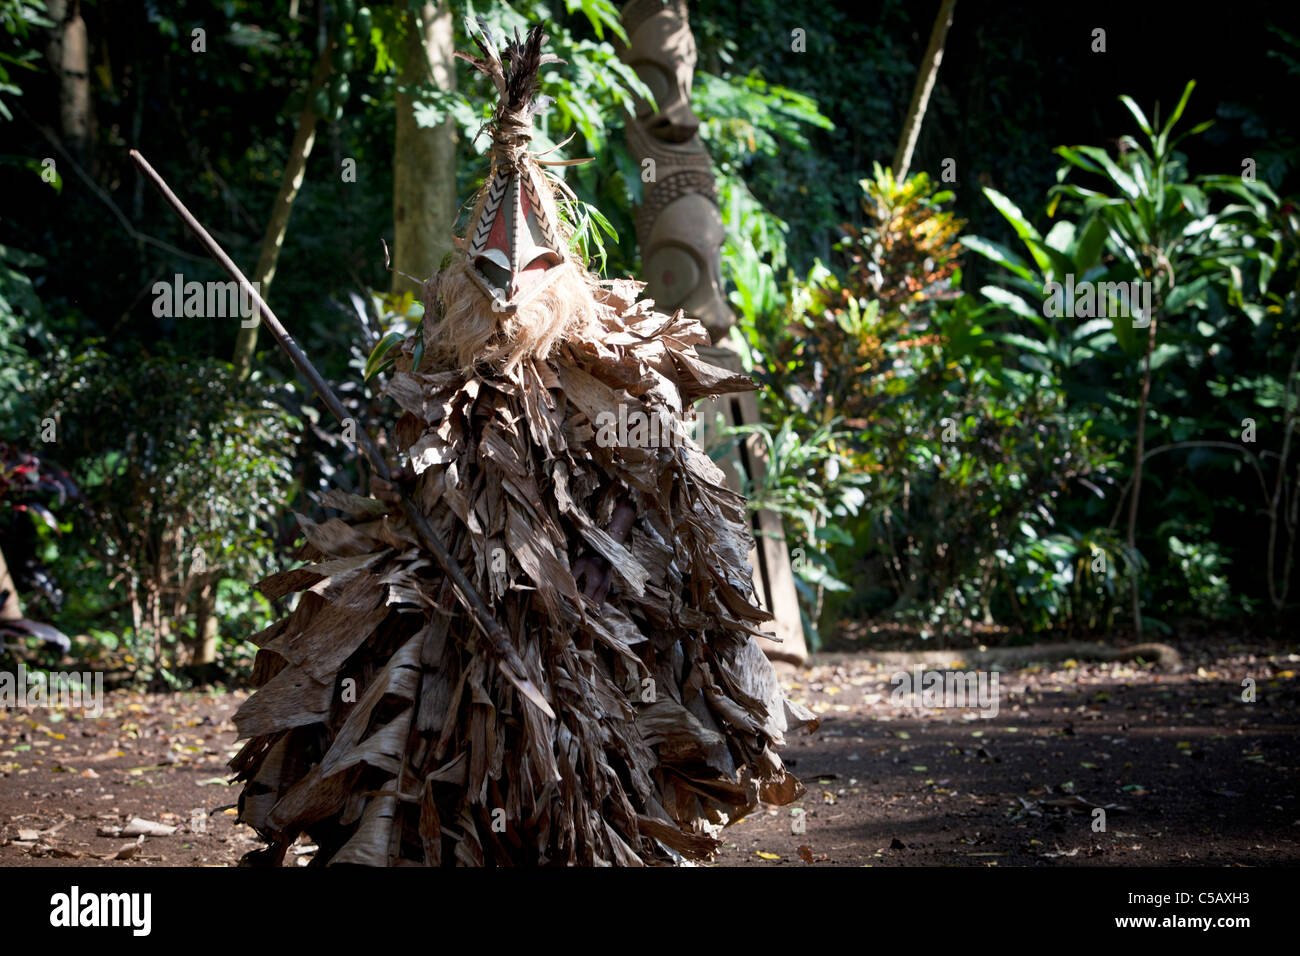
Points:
(424, 169)
(206, 632)
(1279, 508)
(295, 168)
(921, 93)
(1138, 454)
(11, 608)
(69, 55)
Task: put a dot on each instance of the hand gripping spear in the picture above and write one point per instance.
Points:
(508, 661)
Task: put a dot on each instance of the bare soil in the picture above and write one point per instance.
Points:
(1186, 772)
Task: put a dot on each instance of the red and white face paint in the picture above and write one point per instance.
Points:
(514, 248)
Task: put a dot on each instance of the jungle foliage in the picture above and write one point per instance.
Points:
(945, 452)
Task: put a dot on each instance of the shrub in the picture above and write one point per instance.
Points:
(184, 471)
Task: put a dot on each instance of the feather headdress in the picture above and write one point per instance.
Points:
(515, 292)
(514, 244)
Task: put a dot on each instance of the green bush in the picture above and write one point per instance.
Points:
(1171, 389)
(185, 472)
(928, 475)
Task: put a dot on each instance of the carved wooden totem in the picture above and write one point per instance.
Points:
(679, 228)
(678, 225)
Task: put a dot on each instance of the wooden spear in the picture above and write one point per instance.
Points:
(508, 660)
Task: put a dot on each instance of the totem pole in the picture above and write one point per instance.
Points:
(679, 229)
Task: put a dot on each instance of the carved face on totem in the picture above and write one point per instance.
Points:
(678, 224)
(662, 51)
(683, 269)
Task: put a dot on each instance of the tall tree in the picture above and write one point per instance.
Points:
(921, 93)
(424, 162)
(295, 168)
(69, 55)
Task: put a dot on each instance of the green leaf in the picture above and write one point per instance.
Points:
(1072, 156)
(835, 534)
(1061, 236)
(1163, 355)
(1138, 115)
(1116, 175)
(1024, 229)
(1024, 342)
(999, 254)
(1090, 328)
(1089, 244)
(1176, 114)
(1194, 131)
(1010, 300)
(376, 361)
(1187, 296)
(417, 356)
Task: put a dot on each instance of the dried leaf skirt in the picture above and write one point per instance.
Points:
(383, 729)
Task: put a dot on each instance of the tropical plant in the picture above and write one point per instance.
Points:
(809, 481)
(185, 490)
(18, 19)
(891, 376)
(1152, 224)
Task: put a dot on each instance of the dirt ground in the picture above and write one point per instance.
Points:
(1184, 769)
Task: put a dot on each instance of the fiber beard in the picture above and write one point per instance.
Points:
(468, 331)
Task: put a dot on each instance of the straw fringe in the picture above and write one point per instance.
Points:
(465, 330)
(382, 730)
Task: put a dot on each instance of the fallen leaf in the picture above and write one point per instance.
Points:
(129, 850)
(1059, 852)
(139, 827)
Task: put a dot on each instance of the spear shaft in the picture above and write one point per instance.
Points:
(511, 666)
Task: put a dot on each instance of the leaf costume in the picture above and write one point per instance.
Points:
(384, 726)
